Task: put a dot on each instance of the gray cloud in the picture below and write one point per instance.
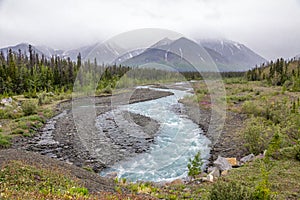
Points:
(269, 27)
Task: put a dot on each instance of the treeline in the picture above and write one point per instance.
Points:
(33, 73)
(21, 73)
(279, 73)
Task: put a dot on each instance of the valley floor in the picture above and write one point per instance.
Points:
(247, 103)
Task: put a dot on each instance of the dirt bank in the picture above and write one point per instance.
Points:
(230, 142)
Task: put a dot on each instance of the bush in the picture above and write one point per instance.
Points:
(249, 108)
(44, 98)
(195, 165)
(4, 141)
(230, 191)
(257, 134)
(29, 107)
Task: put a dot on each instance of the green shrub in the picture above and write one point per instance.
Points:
(29, 107)
(194, 165)
(8, 113)
(257, 134)
(18, 132)
(79, 191)
(230, 191)
(4, 141)
(262, 189)
(44, 98)
(250, 108)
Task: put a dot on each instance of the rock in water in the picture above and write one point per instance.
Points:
(248, 158)
(222, 164)
(112, 175)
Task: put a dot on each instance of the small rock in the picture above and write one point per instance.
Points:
(186, 189)
(222, 164)
(203, 174)
(210, 178)
(248, 158)
(232, 161)
(215, 172)
(98, 167)
(112, 175)
(224, 173)
(176, 182)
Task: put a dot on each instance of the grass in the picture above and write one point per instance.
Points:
(21, 181)
(26, 119)
(284, 177)
(4, 141)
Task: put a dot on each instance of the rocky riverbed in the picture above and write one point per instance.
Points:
(116, 141)
(60, 139)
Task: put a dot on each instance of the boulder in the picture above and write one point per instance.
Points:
(203, 174)
(232, 161)
(215, 172)
(247, 158)
(224, 173)
(210, 178)
(222, 164)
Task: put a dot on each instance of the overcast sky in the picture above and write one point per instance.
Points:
(269, 27)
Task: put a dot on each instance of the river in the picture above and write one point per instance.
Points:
(177, 140)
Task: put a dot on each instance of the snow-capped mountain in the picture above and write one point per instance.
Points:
(228, 56)
(24, 47)
(127, 56)
(48, 52)
(181, 53)
(238, 55)
(105, 52)
(84, 51)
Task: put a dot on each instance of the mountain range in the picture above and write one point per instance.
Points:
(181, 54)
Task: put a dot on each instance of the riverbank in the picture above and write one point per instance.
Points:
(229, 143)
(60, 139)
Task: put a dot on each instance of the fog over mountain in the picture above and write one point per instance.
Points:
(180, 53)
(268, 27)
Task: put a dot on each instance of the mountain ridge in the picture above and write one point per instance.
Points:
(227, 55)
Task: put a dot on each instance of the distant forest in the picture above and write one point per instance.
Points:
(278, 73)
(34, 73)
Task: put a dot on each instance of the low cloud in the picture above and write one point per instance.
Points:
(268, 27)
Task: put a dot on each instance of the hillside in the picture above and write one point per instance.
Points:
(226, 55)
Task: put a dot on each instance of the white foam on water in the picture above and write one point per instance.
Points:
(177, 140)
